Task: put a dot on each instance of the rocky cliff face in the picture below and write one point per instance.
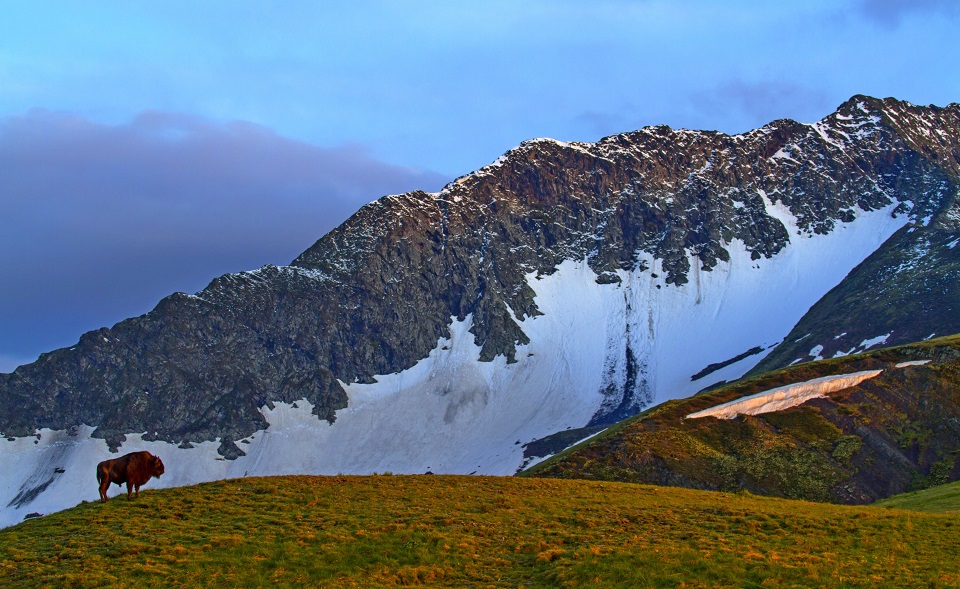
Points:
(375, 295)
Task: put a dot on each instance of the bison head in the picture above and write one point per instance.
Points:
(156, 466)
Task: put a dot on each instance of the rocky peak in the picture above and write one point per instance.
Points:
(376, 294)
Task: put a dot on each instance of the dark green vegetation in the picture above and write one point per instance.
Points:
(939, 499)
(387, 531)
(894, 433)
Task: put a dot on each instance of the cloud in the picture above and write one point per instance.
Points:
(98, 222)
(758, 103)
(889, 13)
(597, 123)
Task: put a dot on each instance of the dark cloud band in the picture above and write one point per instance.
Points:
(101, 221)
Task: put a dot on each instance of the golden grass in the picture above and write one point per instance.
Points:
(447, 531)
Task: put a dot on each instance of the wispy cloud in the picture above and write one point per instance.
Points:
(98, 222)
(889, 13)
(600, 123)
(758, 103)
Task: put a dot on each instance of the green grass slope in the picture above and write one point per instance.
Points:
(897, 432)
(940, 499)
(440, 531)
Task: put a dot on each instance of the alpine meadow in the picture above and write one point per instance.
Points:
(670, 338)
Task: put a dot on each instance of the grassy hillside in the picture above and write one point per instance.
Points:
(897, 432)
(387, 531)
(941, 499)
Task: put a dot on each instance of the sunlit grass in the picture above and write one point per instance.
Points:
(942, 499)
(387, 531)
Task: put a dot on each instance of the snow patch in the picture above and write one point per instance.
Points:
(712, 313)
(912, 363)
(786, 396)
(780, 212)
(869, 343)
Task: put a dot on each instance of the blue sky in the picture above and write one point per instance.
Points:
(147, 147)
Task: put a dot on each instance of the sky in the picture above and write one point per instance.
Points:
(147, 147)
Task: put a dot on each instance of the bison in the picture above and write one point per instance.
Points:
(134, 468)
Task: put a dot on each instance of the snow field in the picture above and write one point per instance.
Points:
(450, 413)
(742, 303)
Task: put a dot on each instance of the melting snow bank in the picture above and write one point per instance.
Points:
(792, 395)
(786, 396)
(913, 363)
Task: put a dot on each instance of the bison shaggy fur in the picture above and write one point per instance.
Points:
(134, 469)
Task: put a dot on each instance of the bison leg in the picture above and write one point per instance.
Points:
(136, 491)
(129, 488)
(104, 485)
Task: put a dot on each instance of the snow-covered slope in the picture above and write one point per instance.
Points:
(565, 285)
(904, 292)
(450, 413)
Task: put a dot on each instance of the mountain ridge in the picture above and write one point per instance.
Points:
(375, 295)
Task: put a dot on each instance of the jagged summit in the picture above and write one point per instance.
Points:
(595, 278)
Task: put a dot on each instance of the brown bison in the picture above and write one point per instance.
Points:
(134, 468)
